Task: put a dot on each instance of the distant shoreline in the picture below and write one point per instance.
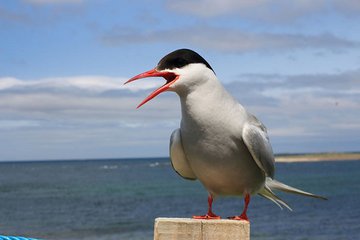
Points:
(288, 157)
(316, 157)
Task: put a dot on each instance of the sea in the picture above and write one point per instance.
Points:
(120, 198)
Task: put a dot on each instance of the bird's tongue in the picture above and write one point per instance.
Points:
(169, 76)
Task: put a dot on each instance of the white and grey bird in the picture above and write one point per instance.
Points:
(219, 142)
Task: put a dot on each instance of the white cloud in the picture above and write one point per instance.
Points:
(15, 124)
(79, 98)
(290, 132)
(231, 40)
(79, 117)
(349, 6)
(303, 107)
(97, 114)
(9, 82)
(269, 10)
(96, 84)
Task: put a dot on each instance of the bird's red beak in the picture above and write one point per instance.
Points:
(169, 76)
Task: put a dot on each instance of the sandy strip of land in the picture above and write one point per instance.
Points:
(317, 157)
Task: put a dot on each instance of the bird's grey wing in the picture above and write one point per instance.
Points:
(178, 158)
(257, 141)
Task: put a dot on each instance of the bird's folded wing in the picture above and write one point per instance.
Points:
(257, 142)
(178, 158)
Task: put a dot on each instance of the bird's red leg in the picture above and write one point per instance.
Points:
(243, 215)
(210, 214)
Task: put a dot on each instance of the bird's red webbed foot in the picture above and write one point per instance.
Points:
(243, 215)
(210, 215)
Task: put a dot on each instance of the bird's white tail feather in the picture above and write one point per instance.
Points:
(266, 192)
(271, 184)
(276, 185)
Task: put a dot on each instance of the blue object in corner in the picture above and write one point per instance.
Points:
(15, 238)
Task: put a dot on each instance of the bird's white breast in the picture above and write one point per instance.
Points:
(211, 129)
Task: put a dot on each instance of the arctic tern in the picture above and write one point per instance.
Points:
(219, 142)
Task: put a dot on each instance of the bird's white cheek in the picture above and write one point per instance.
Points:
(174, 86)
(182, 81)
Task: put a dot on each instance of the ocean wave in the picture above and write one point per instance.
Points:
(109, 167)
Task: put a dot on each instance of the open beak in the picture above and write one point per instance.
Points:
(169, 76)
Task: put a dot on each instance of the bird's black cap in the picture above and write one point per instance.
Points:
(180, 58)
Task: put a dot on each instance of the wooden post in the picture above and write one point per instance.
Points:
(194, 229)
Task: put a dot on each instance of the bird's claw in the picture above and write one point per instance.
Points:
(208, 216)
(242, 217)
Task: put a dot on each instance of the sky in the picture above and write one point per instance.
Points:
(294, 64)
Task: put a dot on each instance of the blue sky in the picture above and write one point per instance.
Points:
(63, 63)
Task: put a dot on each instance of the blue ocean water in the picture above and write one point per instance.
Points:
(119, 199)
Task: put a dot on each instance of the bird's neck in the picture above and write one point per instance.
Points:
(206, 104)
